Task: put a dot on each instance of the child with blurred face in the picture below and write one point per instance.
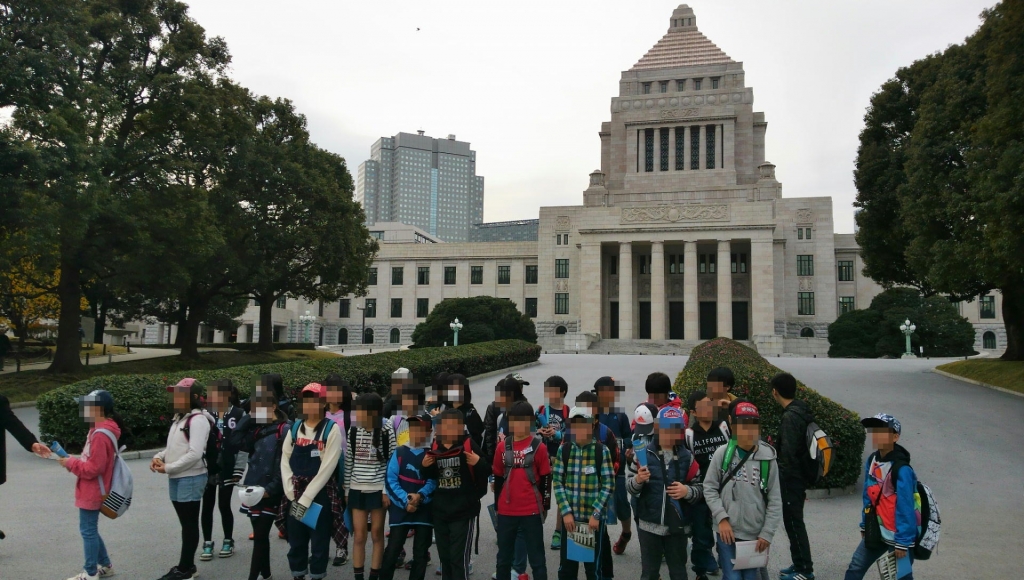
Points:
(608, 390)
(223, 403)
(705, 436)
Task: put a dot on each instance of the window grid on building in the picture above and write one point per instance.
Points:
(845, 304)
(714, 83)
(681, 85)
(988, 306)
(799, 233)
(423, 275)
(648, 150)
(397, 275)
(845, 270)
(561, 303)
(531, 307)
(396, 308)
(370, 308)
(531, 274)
(647, 88)
(613, 266)
(664, 131)
(282, 302)
(694, 147)
(709, 155)
(476, 274)
(344, 308)
(504, 274)
(739, 263)
(807, 233)
(561, 268)
(680, 150)
(422, 307)
(805, 265)
(697, 84)
(805, 303)
(373, 277)
(664, 86)
(449, 275)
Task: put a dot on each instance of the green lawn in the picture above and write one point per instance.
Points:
(28, 385)
(1000, 373)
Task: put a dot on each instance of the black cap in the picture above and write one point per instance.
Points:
(98, 398)
(604, 382)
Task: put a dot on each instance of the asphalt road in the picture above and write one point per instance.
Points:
(965, 442)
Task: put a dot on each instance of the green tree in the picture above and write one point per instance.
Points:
(854, 334)
(484, 318)
(940, 172)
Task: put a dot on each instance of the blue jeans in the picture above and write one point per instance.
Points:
(726, 554)
(703, 540)
(864, 558)
(95, 550)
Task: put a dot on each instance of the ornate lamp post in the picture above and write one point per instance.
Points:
(907, 329)
(456, 327)
(307, 321)
(362, 330)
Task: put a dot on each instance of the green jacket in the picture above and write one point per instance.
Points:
(579, 489)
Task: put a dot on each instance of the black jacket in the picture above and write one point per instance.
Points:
(459, 484)
(491, 430)
(228, 467)
(474, 423)
(263, 443)
(9, 422)
(794, 455)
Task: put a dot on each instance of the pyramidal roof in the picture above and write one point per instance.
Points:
(682, 45)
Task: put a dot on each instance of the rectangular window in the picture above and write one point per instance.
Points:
(807, 233)
(531, 274)
(373, 277)
(714, 83)
(648, 150)
(799, 233)
(558, 239)
(805, 265)
(647, 88)
(396, 308)
(735, 264)
(672, 264)
(422, 307)
(476, 274)
(449, 275)
(806, 303)
(561, 303)
(846, 270)
(664, 86)
(696, 84)
(371, 308)
(664, 131)
(709, 155)
(561, 268)
(282, 302)
(504, 274)
(344, 308)
(712, 260)
(680, 150)
(988, 306)
(681, 85)
(531, 307)
(845, 304)
(703, 268)
(613, 265)
(397, 275)
(695, 147)
(423, 275)
(320, 308)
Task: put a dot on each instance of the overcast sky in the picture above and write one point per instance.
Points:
(528, 83)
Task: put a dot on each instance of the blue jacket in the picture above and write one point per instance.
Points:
(898, 512)
(405, 475)
(651, 502)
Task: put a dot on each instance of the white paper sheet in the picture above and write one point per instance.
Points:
(747, 556)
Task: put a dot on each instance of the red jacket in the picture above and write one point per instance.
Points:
(97, 460)
(518, 497)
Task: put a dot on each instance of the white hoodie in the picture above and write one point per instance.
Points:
(183, 456)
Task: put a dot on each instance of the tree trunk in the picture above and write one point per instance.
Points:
(1013, 320)
(266, 342)
(180, 323)
(20, 325)
(69, 344)
(188, 333)
(101, 322)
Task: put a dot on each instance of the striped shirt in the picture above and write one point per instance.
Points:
(367, 466)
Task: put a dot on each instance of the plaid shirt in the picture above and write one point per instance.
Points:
(579, 489)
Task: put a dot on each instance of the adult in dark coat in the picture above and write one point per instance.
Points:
(10, 422)
(5, 348)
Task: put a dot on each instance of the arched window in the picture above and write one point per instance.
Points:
(343, 336)
(320, 337)
(396, 336)
(560, 330)
(988, 340)
(807, 332)
(368, 336)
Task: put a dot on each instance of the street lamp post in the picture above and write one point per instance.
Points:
(362, 330)
(456, 327)
(907, 329)
(307, 320)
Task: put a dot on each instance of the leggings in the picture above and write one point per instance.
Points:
(188, 516)
(261, 526)
(217, 494)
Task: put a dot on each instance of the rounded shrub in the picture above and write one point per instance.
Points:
(753, 375)
(145, 406)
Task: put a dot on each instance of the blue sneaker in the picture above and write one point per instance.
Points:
(787, 571)
(799, 576)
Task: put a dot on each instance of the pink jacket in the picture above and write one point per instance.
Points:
(97, 460)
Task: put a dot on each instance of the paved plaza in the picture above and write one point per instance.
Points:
(964, 441)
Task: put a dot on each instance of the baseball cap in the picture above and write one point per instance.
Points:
(604, 382)
(98, 398)
(422, 418)
(401, 373)
(643, 417)
(251, 495)
(517, 377)
(581, 412)
(185, 384)
(883, 420)
(670, 417)
(316, 388)
(746, 411)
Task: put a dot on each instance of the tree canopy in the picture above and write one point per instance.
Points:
(484, 318)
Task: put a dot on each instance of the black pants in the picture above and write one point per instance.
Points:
(454, 547)
(420, 547)
(260, 564)
(570, 569)
(308, 547)
(533, 531)
(794, 494)
(188, 517)
(220, 494)
(653, 547)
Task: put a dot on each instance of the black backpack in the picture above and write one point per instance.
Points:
(213, 441)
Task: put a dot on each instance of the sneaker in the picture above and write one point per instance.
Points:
(620, 545)
(400, 562)
(176, 574)
(251, 536)
(556, 541)
(105, 571)
(524, 576)
(787, 571)
(799, 576)
(83, 576)
(207, 554)
(228, 549)
(408, 565)
(281, 534)
(701, 577)
(340, 557)
(438, 571)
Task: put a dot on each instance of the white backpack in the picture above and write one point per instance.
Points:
(119, 499)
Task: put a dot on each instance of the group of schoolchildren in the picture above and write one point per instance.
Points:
(335, 464)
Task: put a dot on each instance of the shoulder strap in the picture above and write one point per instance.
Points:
(113, 439)
(565, 451)
(467, 444)
(295, 431)
(689, 440)
(765, 468)
(508, 454)
(729, 452)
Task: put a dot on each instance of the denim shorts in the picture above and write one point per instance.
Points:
(188, 488)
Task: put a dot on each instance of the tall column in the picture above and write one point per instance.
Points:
(687, 132)
(691, 300)
(729, 145)
(724, 289)
(591, 298)
(658, 291)
(703, 147)
(762, 287)
(719, 148)
(625, 290)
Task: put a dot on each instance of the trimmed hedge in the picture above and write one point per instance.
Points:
(241, 346)
(145, 407)
(753, 374)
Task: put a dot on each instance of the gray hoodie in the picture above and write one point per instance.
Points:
(741, 499)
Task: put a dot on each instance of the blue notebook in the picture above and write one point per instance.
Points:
(580, 545)
(312, 515)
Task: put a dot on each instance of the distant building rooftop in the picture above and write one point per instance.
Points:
(510, 231)
(399, 233)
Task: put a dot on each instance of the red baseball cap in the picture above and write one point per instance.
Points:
(315, 388)
(746, 410)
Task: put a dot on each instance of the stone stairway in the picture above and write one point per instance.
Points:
(647, 347)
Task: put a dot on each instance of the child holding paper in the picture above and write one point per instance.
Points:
(741, 488)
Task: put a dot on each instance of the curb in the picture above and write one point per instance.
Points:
(23, 404)
(832, 492)
(504, 371)
(978, 383)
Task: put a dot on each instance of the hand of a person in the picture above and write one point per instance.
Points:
(677, 490)
(428, 459)
(161, 468)
(593, 523)
(900, 554)
(385, 500)
(266, 495)
(63, 461)
(725, 530)
(298, 510)
(642, 475)
(762, 545)
(410, 507)
(41, 450)
(415, 498)
(154, 463)
(472, 458)
(569, 523)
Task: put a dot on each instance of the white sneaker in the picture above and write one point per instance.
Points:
(83, 576)
(105, 571)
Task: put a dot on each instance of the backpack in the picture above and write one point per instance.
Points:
(730, 450)
(117, 501)
(213, 441)
(566, 450)
(527, 466)
(324, 433)
(467, 447)
(822, 452)
(929, 518)
(380, 439)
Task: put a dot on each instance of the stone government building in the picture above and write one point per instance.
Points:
(683, 235)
